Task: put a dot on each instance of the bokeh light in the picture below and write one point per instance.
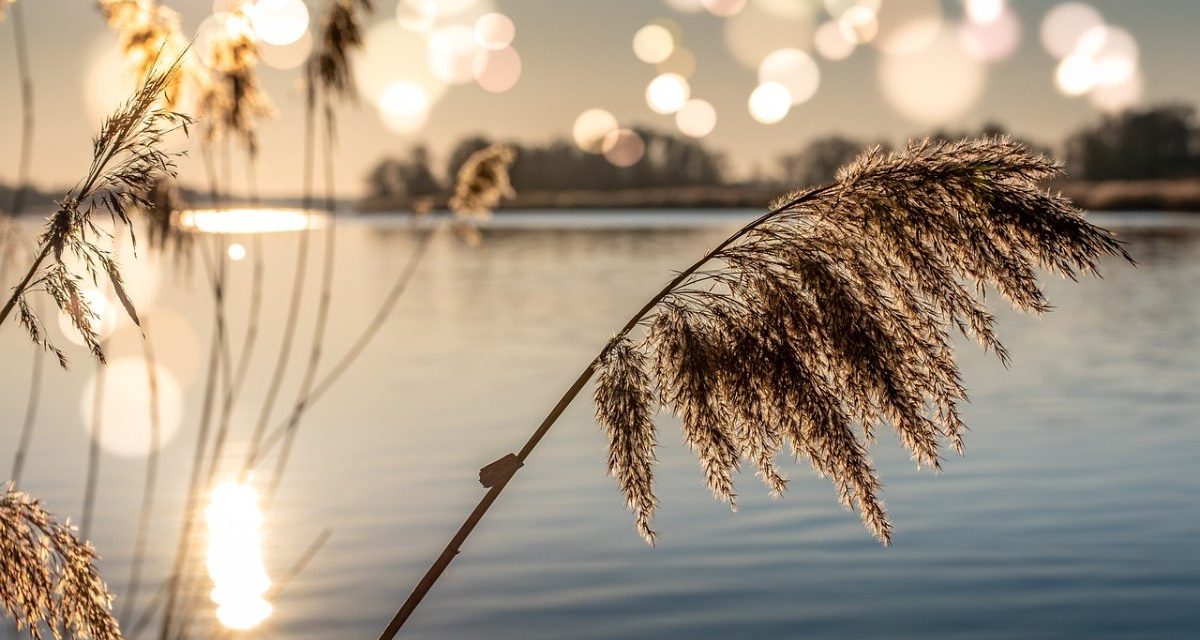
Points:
(907, 26)
(770, 102)
(452, 53)
(793, 69)
(234, 559)
(994, 40)
(653, 44)
(697, 118)
(754, 33)
(288, 56)
(623, 147)
(494, 31)
(237, 252)
(591, 128)
(724, 8)
(984, 12)
(934, 85)
(1065, 24)
(858, 24)
(681, 62)
(391, 54)
(1114, 50)
(278, 22)
(1117, 97)
(667, 93)
(103, 321)
(831, 44)
(417, 16)
(165, 326)
(837, 8)
(404, 106)
(686, 6)
(497, 71)
(126, 428)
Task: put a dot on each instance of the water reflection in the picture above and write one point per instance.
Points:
(235, 562)
(234, 221)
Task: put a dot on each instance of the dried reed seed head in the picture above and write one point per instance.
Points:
(126, 162)
(232, 99)
(148, 32)
(483, 181)
(48, 577)
(832, 314)
(341, 32)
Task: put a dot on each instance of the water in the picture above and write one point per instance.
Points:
(1074, 514)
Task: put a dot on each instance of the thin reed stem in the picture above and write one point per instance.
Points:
(25, 158)
(31, 411)
(151, 482)
(343, 364)
(93, 463)
(452, 549)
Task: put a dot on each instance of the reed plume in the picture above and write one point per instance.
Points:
(823, 319)
(233, 99)
(125, 157)
(50, 581)
(147, 32)
(482, 182)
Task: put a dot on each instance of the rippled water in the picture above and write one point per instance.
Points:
(1075, 514)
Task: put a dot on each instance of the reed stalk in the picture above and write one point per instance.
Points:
(149, 486)
(828, 314)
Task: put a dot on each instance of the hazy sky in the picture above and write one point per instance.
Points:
(576, 55)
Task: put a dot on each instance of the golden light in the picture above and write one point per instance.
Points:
(452, 53)
(697, 118)
(417, 16)
(907, 26)
(686, 6)
(681, 62)
(126, 428)
(831, 44)
(984, 11)
(404, 107)
(236, 252)
(1065, 24)
(245, 221)
(234, 559)
(770, 102)
(1075, 75)
(389, 55)
(724, 8)
(992, 41)
(934, 85)
(754, 33)
(497, 71)
(107, 82)
(591, 127)
(667, 93)
(1114, 50)
(793, 69)
(494, 31)
(288, 56)
(858, 24)
(653, 44)
(1117, 97)
(623, 147)
(105, 316)
(278, 22)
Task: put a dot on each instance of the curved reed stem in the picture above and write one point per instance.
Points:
(31, 410)
(452, 549)
(151, 482)
(93, 463)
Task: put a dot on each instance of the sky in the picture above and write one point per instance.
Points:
(577, 55)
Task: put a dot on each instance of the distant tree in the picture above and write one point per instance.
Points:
(818, 162)
(1160, 142)
(409, 177)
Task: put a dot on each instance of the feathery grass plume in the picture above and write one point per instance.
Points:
(49, 577)
(232, 98)
(482, 182)
(341, 32)
(819, 320)
(147, 32)
(126, 156)
(832, 314)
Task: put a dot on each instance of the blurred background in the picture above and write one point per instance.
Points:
(646, 131)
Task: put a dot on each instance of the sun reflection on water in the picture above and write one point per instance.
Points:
(235, 562)
(237, 221)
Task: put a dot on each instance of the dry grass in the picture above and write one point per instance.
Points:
(832, 315)
(48, 577)
(482, 182)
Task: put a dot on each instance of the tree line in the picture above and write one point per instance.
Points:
(1142, 144)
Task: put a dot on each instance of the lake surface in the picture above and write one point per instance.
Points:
(1074, 514)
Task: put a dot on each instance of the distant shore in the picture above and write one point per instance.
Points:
(1143, 195)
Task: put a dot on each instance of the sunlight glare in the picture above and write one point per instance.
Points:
(235, 563)
(279, 22)
(404, 107)
(245, 221)
(237, 252)
(667, 93)
(770, 102)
